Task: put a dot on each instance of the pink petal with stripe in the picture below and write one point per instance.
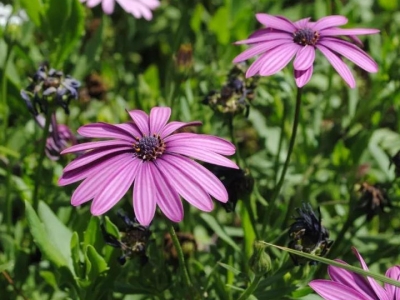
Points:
(144, 194)
(338, 65)
(278, 58)
(202, 141)
(115, 188)
(207, 180)
(258, 49)
(270, 36)
(344, 31)
(280, 23)
(303, 77)
(95, 145)
(175, 125)
(329, 21)
(167, 197)
(108, 6)
(141, 119)
(159, 117)
(104, 130)
(330, 290)
(186, 186)
(304, 58)
(393, 291)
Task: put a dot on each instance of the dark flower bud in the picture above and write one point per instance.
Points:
(308, 235)
(260, 262)
(188, 244)
(184, 58)
(373, 199)
(49, 88)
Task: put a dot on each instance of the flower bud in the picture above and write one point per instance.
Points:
(260, 262)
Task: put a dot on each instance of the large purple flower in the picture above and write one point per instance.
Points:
(282, 39)
(149, 154)
(351, 286)
(138, 8)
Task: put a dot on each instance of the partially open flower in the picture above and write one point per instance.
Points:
(235, 95)
(308, 235)
(49, 88)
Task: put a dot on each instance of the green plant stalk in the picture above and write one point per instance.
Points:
(339, 265)
(251, 288)
(181, 258)
(38, 177)
(278, 186)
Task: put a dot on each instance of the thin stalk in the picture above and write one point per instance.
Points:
(181, 258)
(42, 152)
(251, 288)
(278, 186)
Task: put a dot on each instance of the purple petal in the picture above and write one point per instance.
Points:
(278, 58)
(92, 185)
(94, 155)
(267, 37)
(351, 31)
(379, 291)
(204, 141)
(329, 21)
(90, 169)
(303, 77)
(304, 58)
(339, 65)
(115, 187)
(330, 290)
(175, 125)
(167, 198)
(94, 145)
(206, 156)
(108, 6)
(186, 186)
(141, 120)
(258, 49)
(279, 23)
(393, 291)
(159, 117)
(302, 23)
(104, 130)
(256, 66)
(207, 180)
(351, 52)
(144, 194)
(352, 280)
(130, 127)
(91, 3)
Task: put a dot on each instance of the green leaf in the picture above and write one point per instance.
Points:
(41, 238)
(210, 220)
(34, 9)
(92, 235)
(75, 255)
(97, 263)
(219, 24)
(338, 264)
(230, 268)
(57, 232)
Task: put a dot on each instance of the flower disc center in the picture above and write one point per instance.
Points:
(149, 147)
(305, 37)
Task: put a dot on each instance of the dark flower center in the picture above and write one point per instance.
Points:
(305, 37)
(149, 147)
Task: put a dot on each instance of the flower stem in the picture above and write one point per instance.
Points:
(278, 186)
(251, 288)
(39, 170)
(181, 258)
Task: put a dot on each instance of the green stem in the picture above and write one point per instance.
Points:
(181, 258)
(278, 187)
(38, 175)
(251, 288)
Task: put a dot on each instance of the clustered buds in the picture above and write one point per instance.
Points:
(235, 95)
(308, 235)
(49, 88)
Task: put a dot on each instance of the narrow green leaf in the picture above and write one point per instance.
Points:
(75, 255)
(56, 231)
(210, 220)
(230, 268)
(339, 265)
(41, 238)
(34, 10)
(98, 264)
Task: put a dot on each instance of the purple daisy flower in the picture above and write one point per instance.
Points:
(138, 8)
(348, 285)
(282, 39)
(149, 154)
